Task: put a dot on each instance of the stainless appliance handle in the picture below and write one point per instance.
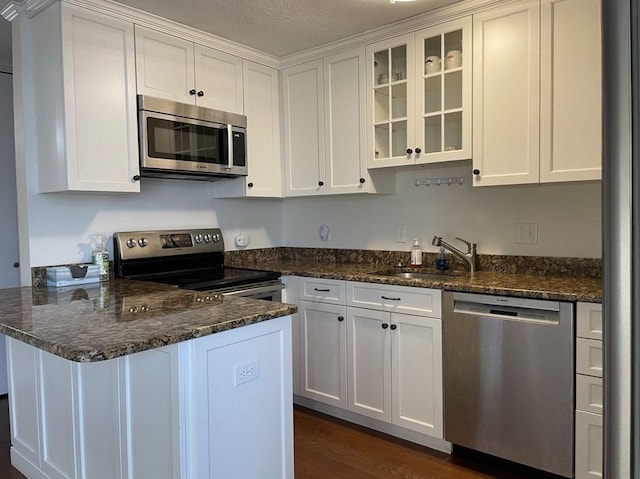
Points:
(229, 146)
(251, 291)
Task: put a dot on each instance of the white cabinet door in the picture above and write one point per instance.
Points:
(164, 65)
(390, 103)
(571, 91)
(218, 80)
(344, 97)
(86, 128)
(589, 443)
(443, 91)
(506, 93)
(369, 363)
(304, 147)
(323, 352)
(416, 345)
(262, 109)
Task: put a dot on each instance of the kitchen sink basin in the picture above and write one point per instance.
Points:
(419, 275)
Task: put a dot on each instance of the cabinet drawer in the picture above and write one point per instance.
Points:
(323, 290)
(588, 445)
(400, 299)
(589, 320)
(589, 357)
(589, 394)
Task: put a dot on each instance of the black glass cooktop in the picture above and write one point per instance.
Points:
(210, 279)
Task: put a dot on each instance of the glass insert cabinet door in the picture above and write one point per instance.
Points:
(443, 91)
(390, 108)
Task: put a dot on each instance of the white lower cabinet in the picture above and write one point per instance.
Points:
(375, 361)
(166, 413)
(323, 352)
(395, 369)
(589, 392)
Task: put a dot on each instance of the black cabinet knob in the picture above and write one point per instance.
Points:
(340, 318)
(200, 93)
(476, 171)
(136, 177)
(192, 91)
(393, 326)
(385, 325)
(16, 265)
(362, 180)
(409, 151)
(418, 151)
(250, 185)
(320, 183)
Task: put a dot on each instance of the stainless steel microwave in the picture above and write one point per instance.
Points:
(184, 141)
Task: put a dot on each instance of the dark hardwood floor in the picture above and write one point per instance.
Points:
(328, 448)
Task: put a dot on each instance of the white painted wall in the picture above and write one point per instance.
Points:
(568, 216)
(60, 223)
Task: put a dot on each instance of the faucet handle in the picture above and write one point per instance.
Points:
(470, 245)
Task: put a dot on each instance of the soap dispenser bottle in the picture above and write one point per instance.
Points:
(100, 255)
(416, 254)
(442, 262)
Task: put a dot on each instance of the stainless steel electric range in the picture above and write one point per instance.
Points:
(191, 259)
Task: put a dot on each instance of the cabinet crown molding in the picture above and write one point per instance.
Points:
(25, 8)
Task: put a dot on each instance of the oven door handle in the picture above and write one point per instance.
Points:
(251, 291)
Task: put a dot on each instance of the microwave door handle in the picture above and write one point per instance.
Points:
(229, 146)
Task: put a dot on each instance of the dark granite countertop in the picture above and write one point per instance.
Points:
(100, 321)
(561, 288)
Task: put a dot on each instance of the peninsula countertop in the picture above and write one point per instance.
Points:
(99, 321)
(539, 286)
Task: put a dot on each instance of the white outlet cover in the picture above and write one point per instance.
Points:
(241, 240)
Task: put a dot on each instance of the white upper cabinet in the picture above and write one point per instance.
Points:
(83, 117)
(571, 91)
(324, 134)
(419, 96)
(506, 133)
(537, 93)
(179, 70)
(262, 108)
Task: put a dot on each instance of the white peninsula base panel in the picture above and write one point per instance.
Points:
(218, 406)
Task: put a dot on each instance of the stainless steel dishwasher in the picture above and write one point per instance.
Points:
(508, 378)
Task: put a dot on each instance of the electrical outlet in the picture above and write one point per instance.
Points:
(401, 234)
(526, 233)
(246, 372)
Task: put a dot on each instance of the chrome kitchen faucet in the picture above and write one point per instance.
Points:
(469, 257)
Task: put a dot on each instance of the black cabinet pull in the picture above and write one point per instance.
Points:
(340, 318)
(200, 93)
(385, 325)
(362, 180)
(321, 290)
(391, 299)
(476, 171)
(320, 183)
(16, 265)
(192, 91)
(250, 185)
(393, 326)
(418, 151)
(409, 151)
(136, 177)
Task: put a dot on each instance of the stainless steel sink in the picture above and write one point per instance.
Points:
(419, 275)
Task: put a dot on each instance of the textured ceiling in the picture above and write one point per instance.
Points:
(283, 27)
(277, 27)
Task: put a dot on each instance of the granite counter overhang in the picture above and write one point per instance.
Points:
(557, 288)
(100, 321)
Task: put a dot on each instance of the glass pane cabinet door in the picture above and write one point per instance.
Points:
(391, 109)
(443, 72)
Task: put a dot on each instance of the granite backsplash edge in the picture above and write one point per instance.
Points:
(541, 265)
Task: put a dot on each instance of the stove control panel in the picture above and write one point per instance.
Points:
(164, 243)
